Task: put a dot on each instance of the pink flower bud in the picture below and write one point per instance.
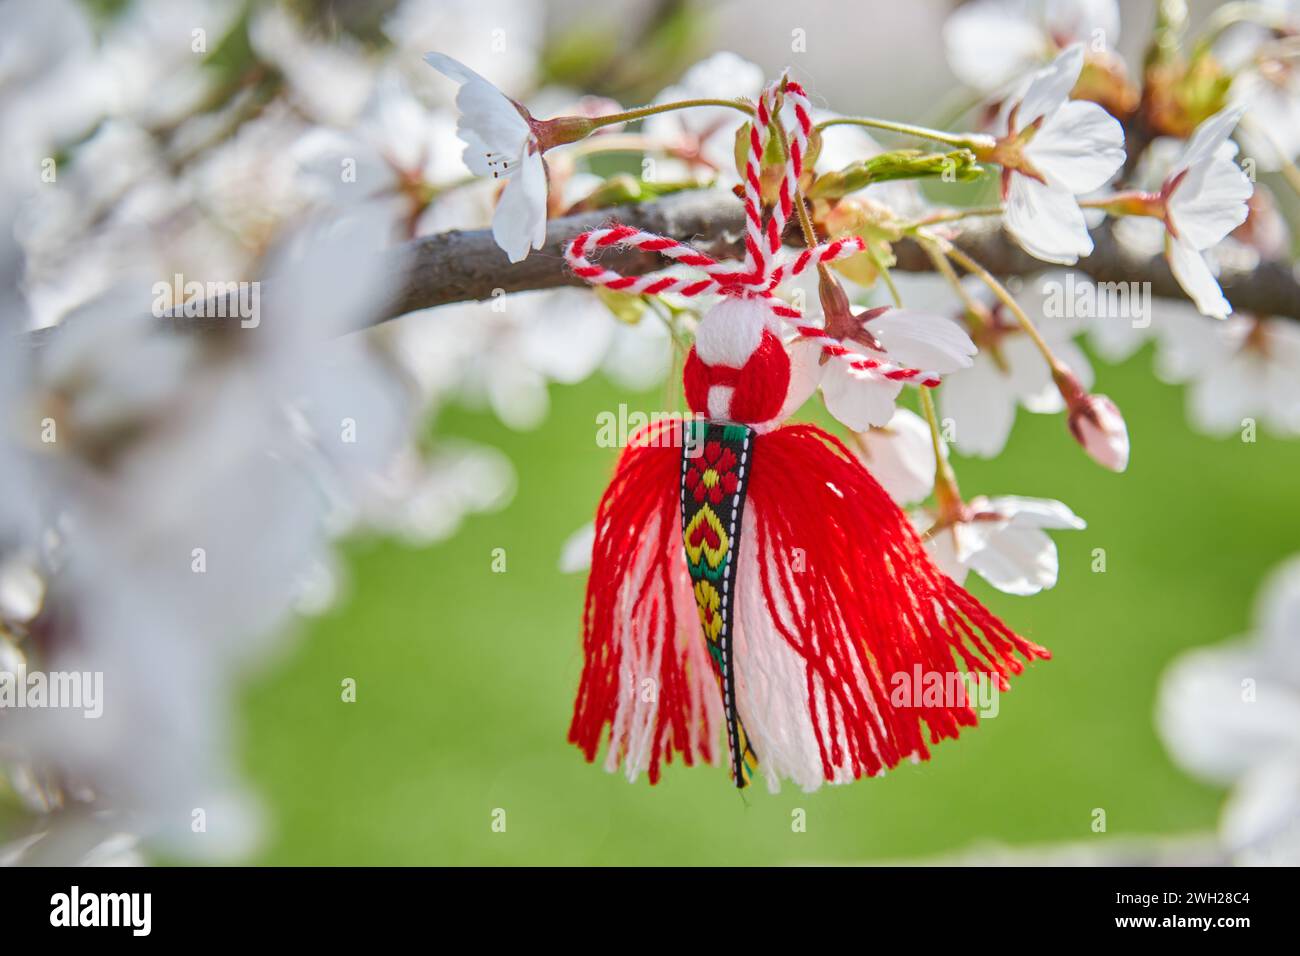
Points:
(1098, 426)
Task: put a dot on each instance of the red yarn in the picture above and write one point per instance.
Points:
(638, 527)
(697, 379)
(760, 386)
(866, 593)
(863, 597)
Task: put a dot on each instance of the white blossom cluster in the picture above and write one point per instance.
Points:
(169, 503)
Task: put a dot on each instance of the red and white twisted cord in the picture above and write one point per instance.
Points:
(861, 363)
(797, 136)
(761, 272)
(720, 277)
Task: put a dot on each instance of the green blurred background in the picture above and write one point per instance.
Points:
(465, 677)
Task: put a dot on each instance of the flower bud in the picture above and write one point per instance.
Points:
(1097, 425)
(957, 166)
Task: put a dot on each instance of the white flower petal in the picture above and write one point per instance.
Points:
(575, 555)
(1050, 87)
(943, 549)
(981, 407)
(1028, 377)
(1035, 512)
(989, 43)
(1207, 208)
(805, 375)
(1211, 726)
(1115, 338)
(1046, 221)
(1189, 343)
(1222, 399)
(922, 340)
(1082, 19)
(565, 333)
(640, 356)
(1080, 146)
(1260, 825)
(900, 456)
(1017, 560)
(453, 69)
(489, 120)
(1277, 613)
(1194, 275)
(723, 75)
(1208, 137)
(858, 399)
(1275, 112)
(520, 217)
(518, 396)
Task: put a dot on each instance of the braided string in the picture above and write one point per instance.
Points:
(763, 268)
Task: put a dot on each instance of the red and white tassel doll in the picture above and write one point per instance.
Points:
(751, 581)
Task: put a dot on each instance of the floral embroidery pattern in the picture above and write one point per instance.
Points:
(715, 459)
(710, 605)
(713, 476)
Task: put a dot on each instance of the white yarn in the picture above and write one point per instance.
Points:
(643, 639)
(771, 683)
(731, 331)
(720, 402)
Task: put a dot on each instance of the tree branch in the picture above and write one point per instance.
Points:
(465, 266)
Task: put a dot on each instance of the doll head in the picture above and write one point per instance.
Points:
(738, 369)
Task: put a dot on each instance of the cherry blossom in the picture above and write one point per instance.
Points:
(1008, 371)
(1004, 540)
(329, 81)
(1230, 714)
(1204, 198)
(1237, 370)
(399, 152)
(991, 42)
(1266, 83)
(1052, 149)
(862, 399)
(503, 354)
(900, 455)
(500, 143)
(575, 554)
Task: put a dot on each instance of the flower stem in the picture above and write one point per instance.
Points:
(955, 215)
(1133, 202)
(944, 268)
(889, 279)
(1007, 299)
(947, 496)
(643, 111)
(969, 140)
